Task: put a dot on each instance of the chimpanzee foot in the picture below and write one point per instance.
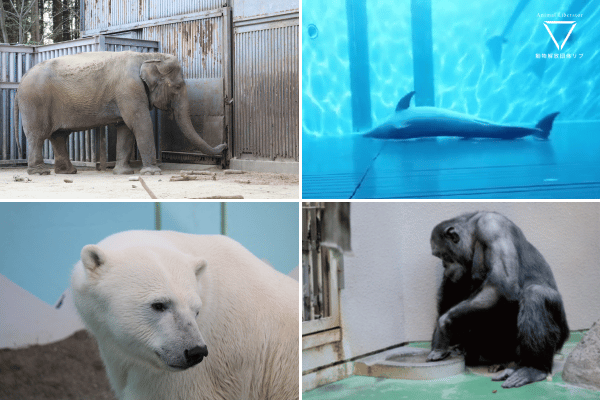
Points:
(438, 355)
(152, 169)
(516, 378)
(495, 368)
(502, 376)
(499, 367)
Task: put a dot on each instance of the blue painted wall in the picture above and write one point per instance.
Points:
(40, 242)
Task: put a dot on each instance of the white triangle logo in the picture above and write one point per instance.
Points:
(568, 34)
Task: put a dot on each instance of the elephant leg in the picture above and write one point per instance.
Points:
(125, 140)
(35, 159)
(140, 123)
(62, 163)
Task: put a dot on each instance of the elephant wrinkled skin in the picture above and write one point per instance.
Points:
(83, 91)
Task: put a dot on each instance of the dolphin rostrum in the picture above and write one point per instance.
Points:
(418, 122)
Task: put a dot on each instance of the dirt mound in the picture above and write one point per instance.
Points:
(70, 369)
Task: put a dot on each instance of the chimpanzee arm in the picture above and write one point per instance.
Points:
(495, 238)
(484, 300)
(441, 342)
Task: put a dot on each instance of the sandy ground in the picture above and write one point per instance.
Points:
(68, 369)
(88, 183)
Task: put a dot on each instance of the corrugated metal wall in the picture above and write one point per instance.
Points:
(14, 62)
(266, 89)
(265, 65)
(85, 146)
(102, 14)
(197, 44)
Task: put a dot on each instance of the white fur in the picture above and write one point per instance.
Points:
(247, 316)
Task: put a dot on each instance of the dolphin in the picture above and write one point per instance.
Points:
(495, 43)
(418, 122)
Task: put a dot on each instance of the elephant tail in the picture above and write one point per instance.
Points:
(16, 127)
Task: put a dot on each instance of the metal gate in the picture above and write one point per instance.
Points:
(198, 33)
(266, 88)
(86, 148)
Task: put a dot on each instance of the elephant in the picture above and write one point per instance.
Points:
(86, 90)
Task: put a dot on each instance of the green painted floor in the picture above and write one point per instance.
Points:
(459, 387)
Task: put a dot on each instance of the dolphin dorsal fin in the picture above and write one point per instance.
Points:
(404, 102)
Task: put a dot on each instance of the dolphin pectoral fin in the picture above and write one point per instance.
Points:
(404, 102)
(495, 46)
(545, 126)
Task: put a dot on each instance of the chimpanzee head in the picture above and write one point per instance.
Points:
(452, 241)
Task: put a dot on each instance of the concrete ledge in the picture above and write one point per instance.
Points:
(327, 375)
(275, 167)
(408, 363)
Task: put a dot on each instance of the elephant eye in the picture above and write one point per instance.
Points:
(160, 307)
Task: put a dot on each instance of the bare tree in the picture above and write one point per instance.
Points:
(3, 25)
(39, 21)
(35, 31)
(57, 21)
(20, 12)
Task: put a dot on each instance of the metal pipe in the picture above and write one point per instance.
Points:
(223, 218)
(157, 217)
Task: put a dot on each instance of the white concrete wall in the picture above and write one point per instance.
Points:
(27, 320)
(371, 304)
(392, 278)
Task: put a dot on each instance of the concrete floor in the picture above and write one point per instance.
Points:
(565, 166)
(460, 387)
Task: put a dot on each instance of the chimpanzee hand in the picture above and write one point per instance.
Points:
(444, 322)
(438, 355)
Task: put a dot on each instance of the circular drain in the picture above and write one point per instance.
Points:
(313, 31)
(408, 363)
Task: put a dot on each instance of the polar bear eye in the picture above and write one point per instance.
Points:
(159, 307)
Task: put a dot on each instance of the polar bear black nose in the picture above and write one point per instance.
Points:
(194, 355)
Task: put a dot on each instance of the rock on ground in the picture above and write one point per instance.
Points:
(582, 367)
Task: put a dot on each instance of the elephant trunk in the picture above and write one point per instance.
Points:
(181, 110)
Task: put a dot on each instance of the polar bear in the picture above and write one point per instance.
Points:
(181, 316)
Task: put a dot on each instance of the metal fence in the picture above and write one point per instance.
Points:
(85, 147)
(266, 89)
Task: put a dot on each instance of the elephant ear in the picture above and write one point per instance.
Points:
(153, 70)
(150, 74)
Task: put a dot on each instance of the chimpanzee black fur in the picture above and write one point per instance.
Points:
(498, 302)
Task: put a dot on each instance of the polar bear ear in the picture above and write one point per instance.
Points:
(92, 257)
(199, 268)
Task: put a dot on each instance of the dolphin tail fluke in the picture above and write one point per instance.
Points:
(545, 126)
(495, 46)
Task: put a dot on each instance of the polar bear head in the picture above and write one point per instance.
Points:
(144, 303)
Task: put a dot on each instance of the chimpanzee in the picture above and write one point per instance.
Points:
(498, 302)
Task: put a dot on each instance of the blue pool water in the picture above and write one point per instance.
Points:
(522, 88)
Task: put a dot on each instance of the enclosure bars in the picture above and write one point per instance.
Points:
(358, 52)
(315, 266)
(14, 63)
